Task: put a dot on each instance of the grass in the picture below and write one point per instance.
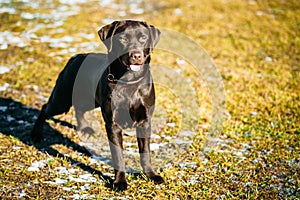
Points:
(255, 47)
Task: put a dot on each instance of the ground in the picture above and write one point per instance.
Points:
(248, 63)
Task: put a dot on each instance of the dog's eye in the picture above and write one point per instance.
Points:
(123, 39)
(143, 38)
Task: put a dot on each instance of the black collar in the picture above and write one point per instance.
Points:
(111, 78)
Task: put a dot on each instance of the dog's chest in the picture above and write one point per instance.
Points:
(128, 106)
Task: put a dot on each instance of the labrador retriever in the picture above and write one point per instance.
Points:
(120, 83)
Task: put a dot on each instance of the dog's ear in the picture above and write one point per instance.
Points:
(106, 34)
(154, 35)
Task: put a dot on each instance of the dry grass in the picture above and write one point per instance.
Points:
(255, 46)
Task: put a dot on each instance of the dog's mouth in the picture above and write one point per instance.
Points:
(134, 60)
(135, 67)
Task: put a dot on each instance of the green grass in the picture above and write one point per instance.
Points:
(255, 46)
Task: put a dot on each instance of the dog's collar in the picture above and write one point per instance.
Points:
(111, 78)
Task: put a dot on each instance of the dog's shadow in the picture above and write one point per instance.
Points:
(17, 120)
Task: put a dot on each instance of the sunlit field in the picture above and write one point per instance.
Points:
(227, 117)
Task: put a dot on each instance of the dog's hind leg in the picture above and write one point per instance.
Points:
(37, 131)
(82, 124)
(50, 109)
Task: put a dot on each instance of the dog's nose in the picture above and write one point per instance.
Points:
(136, 55)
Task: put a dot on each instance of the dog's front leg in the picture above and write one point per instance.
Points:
(143, 138)
(115, 138)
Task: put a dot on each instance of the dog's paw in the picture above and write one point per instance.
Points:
(157, 179)
(120, 185)
(87, 130)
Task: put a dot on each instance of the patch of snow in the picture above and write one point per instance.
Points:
(90, 36)
(10, 118)
(254, 114)
(4, 69)
(171, 124)
(154, 146)
(3, 45)
(106, 2)
(62, 170)
(205, 126)
(68, 2)
(122, 13)
(8, 10)
(68, 189)
(59, 181)
(180, 61)
(22, 194)
(3, 108)
(178, 71)
(129, 144)
(130, 133)
(5, 1)
(187, 165)
(28, 16)
(35, 166)
(85, 178)
(85, 187)
(178, 11)
(7, 38)
(186, 133)
(168, 137)
(248, 184)
(260, 13)
(193, 181)
(135, 9)
(155, 136)
(181, 141)
(107, 20)
(81, 196)
(205, 161)
(268, 59)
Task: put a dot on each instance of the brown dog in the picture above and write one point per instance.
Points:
(120, 83)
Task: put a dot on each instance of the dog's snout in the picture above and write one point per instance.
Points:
(136, 55)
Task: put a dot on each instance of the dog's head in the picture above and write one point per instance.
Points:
(129, 42)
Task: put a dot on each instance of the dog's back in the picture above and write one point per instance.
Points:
(77, 83)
